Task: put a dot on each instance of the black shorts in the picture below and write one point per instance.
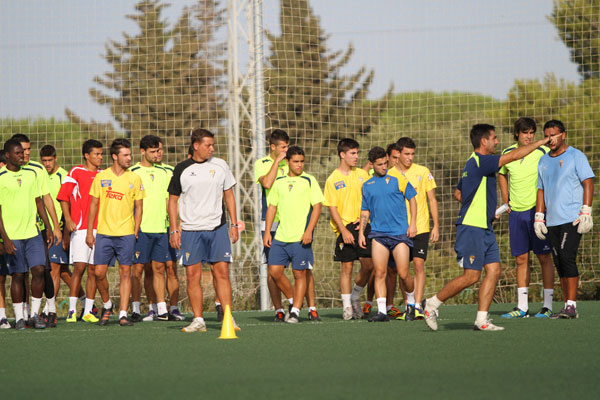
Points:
(347, 252)
(420, 246)
(564, 241)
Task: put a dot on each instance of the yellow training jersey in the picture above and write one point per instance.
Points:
(117, 195)
(345, 193)
(422, 181)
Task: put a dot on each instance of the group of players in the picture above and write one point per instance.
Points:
(149, 216)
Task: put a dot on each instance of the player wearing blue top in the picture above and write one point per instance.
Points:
(565, 191)
(384, 202)
(476, 247)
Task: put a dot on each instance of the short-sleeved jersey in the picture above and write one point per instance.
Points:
(261, 168)
(76, 190)
(522, 183)
(560, 177)
(117, 196)
(41, 176)
(478, 187)
(156, 181)
(200, 187)
(385, 199)
(294, 197)
(18, 191)
(422, 181)
(169, 170)
(345, 193)
(55, 181)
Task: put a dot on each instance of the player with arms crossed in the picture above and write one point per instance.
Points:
(384, 202)
(476, 247)
(298, 199)
(343, 196)
(518, 185)
(20, 200)
(114, 194)
(565, 191)
(200, 184)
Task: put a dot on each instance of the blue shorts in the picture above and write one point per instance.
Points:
(3, 267)
(205, 246)
(109, 247)
(475, 247)
(300, 255)
(151, 247)
(172, 253)
(30, 253)
(390, 241)
(57, 254)
(266, 250)
(522, 235)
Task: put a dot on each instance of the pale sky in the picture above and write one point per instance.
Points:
(50, 51)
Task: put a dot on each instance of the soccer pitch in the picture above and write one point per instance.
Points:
(328, 360)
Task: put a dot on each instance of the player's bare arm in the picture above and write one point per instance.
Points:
(364, 219)
(234, 233)
(522, 151)
(337, 219)
(49, 204)
(267, 180)
(89, 238)
(412, 228)
(588, 191)
(269, 218)
(174, 230)
(314, 218)
(44, 217)
(137, 217)
(433, 209)
(9, 247)
(458, 195)
(503, 183)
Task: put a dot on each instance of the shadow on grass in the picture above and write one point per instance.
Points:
(455, 326)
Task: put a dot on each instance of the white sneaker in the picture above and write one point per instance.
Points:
(347, 314)
(487, 326)
(150, 317)
(4, 324)
(235, 325)
(431, 317)
(195, 326)
(356, 310)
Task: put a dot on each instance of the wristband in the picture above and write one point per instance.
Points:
(235, 226)
(173, 232)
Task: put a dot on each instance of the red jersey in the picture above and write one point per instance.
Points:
(76, 190)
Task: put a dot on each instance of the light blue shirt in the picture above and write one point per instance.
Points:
(560, 177)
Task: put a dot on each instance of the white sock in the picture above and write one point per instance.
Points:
(381, 307)
(481, 317)
(89, 304)
(35, 305)
(108, 305)
(153, 307)
(356, 292)
(51, 305)
(162, 308)
(291, 300)
(45, 310)
(410, 298)
(122, 314)
(548, 297)
(172, 308)
(72, 303)
(433, 303)
(18, 311)
(25, 310)
(135, 307)
(217, 303)
(199, 319)
(312, 308)
(388, 308)
(572, 303)
(2, 313)
(279, 310)
(296, 310)
(346, 300)
(522, 295)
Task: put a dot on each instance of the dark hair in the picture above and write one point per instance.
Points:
(406, 142)
(479, 131)
(20, 137)
(554, 123)
(118, 144)
(376, 153)
(48, 151)
(90, 144)
(2, 158)
(294, 150)
(11, 144)
(524, 124)
(149, 142)
(278, 135)
(199, 133)
(391, 147)
(346, 144)
(191, 149)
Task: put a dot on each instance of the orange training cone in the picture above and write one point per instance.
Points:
(228, 328)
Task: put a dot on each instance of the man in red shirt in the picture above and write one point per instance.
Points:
(75, 202)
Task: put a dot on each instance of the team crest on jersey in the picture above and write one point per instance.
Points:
(137, 254)
(290, 187)
(464, 174)
(561, 162)
(339, 185)
(419, 178)
(387, 180)
(471, 259)
(19, 182)
(212, 173)
(152, 177)
(131, 186)
(282, 171)
(360, 178)
(105, 182)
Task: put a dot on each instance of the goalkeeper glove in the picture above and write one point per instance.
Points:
(584, 220)
(539, 225)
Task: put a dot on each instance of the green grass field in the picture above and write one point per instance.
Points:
(329, 360)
